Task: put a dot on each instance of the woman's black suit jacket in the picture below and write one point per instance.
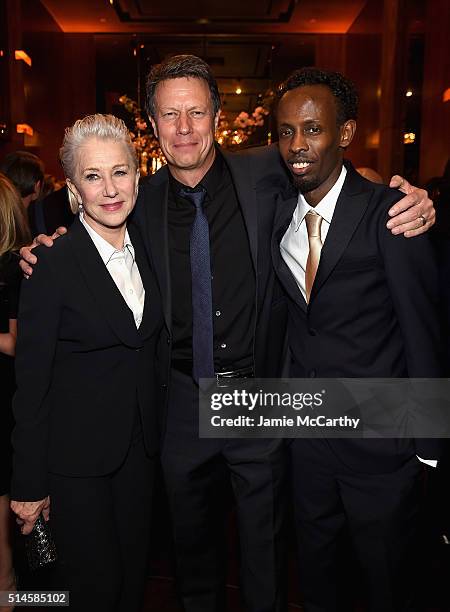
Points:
(83, 369)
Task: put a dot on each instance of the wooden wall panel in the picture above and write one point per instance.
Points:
(58, 88)
(330, 52)
(435, 132)
(363, 67)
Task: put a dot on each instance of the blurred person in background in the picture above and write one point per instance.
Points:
(14, 233)
(49, 185)
(53, 211)
(26, 171)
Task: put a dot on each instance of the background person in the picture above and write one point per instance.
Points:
(14, 233)
(85, 408)
(26, 171)
(53, 211)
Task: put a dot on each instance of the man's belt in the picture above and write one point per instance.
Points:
(185, 366)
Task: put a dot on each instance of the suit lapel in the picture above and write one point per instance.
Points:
(240, 168)
(155, 202)
(285, 210)
(147, 324)
(350, 208)
(102, 287)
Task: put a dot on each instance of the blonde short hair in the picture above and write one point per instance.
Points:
(14, 230)
(103, 127)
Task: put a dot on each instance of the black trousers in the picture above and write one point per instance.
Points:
(195, 472)
(101, 531)
(380, 511)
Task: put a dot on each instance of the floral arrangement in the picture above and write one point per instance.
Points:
(243, 126)
(147, 147)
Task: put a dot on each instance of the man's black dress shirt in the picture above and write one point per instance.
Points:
(233, 276)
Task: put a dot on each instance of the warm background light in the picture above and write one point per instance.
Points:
(24, 128)
(20, 54)
(409, 138)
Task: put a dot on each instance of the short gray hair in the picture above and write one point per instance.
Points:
(104, 127)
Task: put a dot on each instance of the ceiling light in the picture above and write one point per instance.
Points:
(409, 93)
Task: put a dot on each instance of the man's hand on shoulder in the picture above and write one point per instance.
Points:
(414, 214)
(28, 260)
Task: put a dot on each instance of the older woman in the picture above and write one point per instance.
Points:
(85, 407)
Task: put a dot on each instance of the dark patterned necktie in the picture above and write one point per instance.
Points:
(202, 324)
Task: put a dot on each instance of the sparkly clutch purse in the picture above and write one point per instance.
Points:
(39, 545)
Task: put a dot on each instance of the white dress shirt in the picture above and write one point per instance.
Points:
(122, 266)
(294, 246)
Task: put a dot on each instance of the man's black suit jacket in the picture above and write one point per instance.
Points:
(83, 369)
(373, 306)
(259, 177)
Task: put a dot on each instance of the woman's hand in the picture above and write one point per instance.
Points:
(28, 512)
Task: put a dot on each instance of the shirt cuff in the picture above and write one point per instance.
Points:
(431, 462)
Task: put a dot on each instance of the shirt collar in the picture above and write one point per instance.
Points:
(210, 182)
(325, 208)
(105, 249)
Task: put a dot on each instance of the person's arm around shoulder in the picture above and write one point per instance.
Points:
(414, 214)
(28, 258)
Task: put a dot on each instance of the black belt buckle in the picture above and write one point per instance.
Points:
(223, 378)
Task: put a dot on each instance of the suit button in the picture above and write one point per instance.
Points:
(164, 386)
(138, 350)
(168, 340)
(312, 373)
(312, 332)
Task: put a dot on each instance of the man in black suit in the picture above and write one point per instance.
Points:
(362, 303)
(247, 316)
(183, 103)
